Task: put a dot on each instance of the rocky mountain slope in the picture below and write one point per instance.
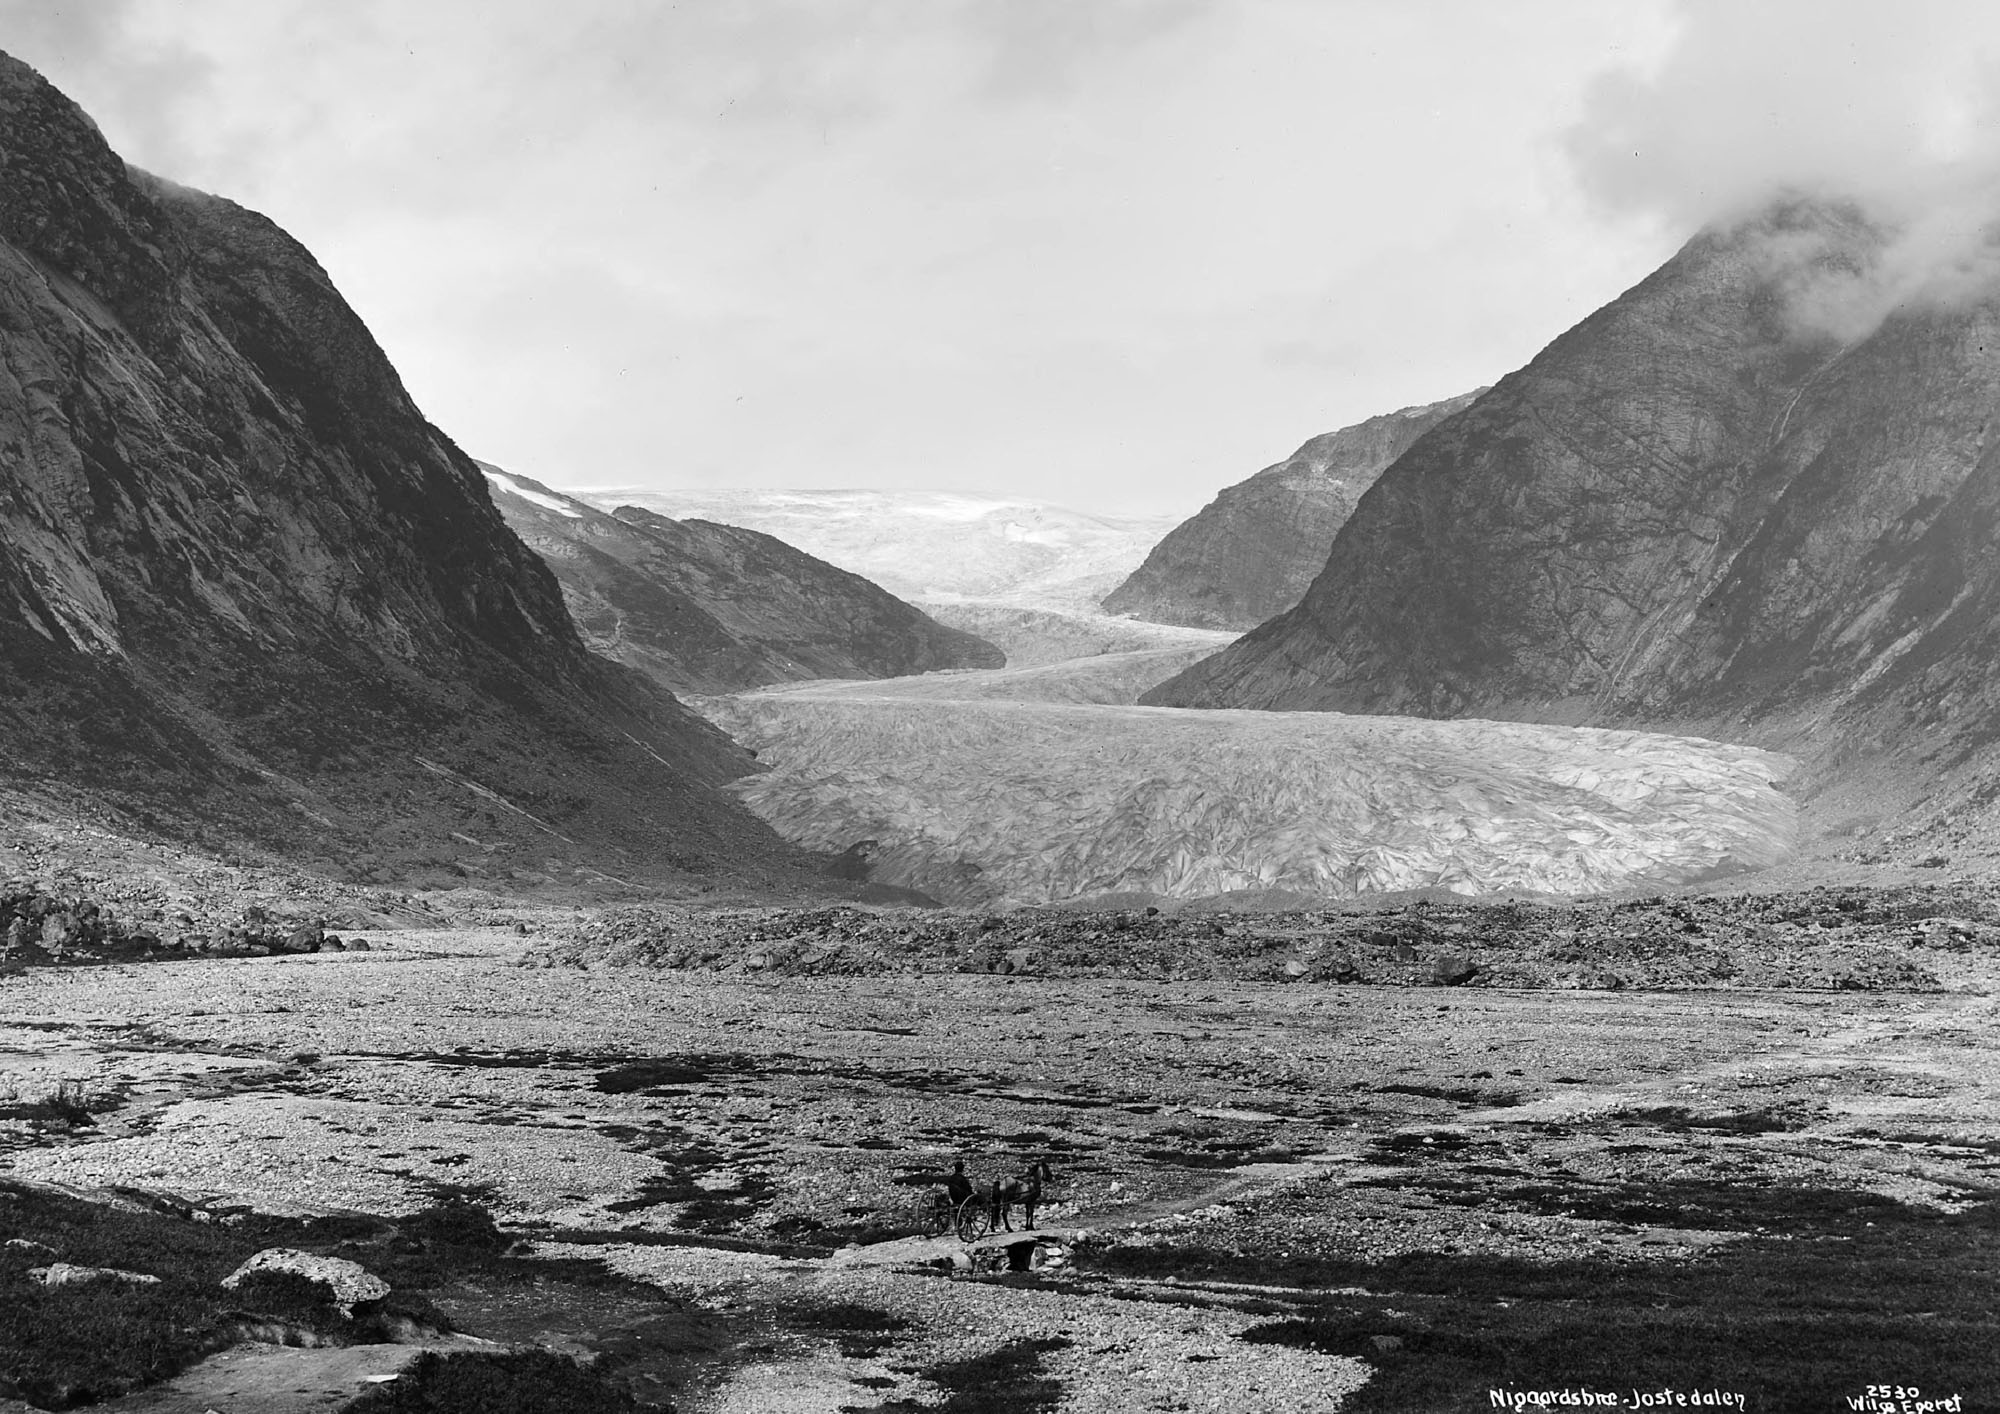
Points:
(933, 545)
(249, 596)
(1252, 551)
(703, 607)
(1728, 501)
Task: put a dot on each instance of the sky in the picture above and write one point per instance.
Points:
(1110, 254)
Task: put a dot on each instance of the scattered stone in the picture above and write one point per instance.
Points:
(65, 1274)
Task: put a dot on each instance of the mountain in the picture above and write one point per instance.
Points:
(249, 596)
(703, 607)
(1251, 552)
(933, 545)
(1735, 500)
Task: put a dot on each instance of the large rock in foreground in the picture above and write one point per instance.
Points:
(249, 596)
(1252, 551)
(703, 607)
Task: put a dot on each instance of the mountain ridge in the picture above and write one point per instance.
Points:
(250, 597)
(1698, 510)
(1252, 552)
(705, 607)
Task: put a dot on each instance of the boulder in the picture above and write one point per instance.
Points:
(1339, 967)
(22, 942)
(350, 1283)
(1451, 969)
(59, 933)
(306, 939)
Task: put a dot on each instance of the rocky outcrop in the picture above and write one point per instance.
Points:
(1700, 508)
(703, 607)
(1252, 551)
(248, 595)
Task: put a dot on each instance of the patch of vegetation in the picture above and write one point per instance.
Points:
(68, 1104)
(1675, 1119)
(519, 1382)
(460, 1221)
(68, 1345)
(1009, 1380)
(1798, 1324)
(1409, 1146)
(63, 1346)
(1457, 1094)
(861, 1332)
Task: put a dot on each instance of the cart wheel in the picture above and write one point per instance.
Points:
(937, 1216)
(975, 1220)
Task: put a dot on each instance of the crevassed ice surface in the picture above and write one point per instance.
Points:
(1018, 802)
(1117, 678)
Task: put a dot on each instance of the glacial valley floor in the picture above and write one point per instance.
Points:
(1267, 1196)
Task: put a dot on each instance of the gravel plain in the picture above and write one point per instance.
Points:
(786, 1125)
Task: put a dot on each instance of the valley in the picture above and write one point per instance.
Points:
(1283, 1196)
(1514, 918)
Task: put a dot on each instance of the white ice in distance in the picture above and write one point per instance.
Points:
(512, 487)
(932, 545)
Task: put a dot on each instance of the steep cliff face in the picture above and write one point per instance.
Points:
(247, 592)
(1252, 551)
(702, 607)
(1695, 509)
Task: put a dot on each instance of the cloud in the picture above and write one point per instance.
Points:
(127, 75)
(1846, 97)
(1888, 111)
(786, 240)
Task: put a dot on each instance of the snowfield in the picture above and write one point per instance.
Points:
(979, 800)
(932, 544)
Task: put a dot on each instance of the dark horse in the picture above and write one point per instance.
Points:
(1024, 1188)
